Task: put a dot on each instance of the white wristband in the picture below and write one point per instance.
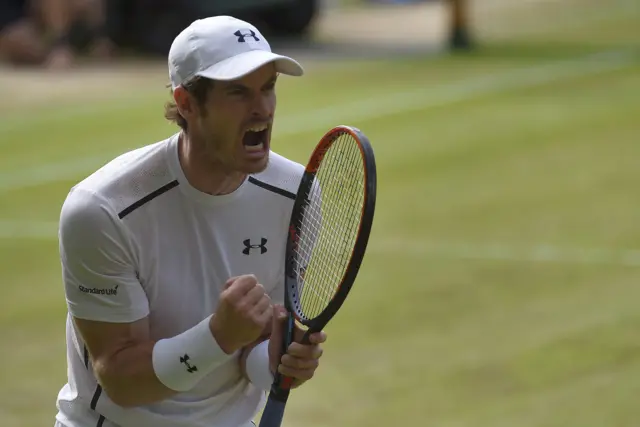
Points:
(182, 361)
(257, 366)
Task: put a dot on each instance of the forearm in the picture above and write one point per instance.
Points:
(148, 372)
(128, 377)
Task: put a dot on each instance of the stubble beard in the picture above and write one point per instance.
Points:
(228, 162)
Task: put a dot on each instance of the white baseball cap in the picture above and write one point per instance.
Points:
(223, 48)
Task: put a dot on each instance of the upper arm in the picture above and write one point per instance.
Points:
(104, 340)
(103, 293)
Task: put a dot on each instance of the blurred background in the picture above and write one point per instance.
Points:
(501, 285)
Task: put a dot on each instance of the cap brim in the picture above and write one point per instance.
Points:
(242, 64)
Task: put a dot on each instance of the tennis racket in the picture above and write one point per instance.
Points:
(327, 239)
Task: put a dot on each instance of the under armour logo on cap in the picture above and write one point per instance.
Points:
(241, 36)
(223, 48)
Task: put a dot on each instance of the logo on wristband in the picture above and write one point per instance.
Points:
(190, 368)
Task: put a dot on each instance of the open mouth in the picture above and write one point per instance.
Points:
(255, 138)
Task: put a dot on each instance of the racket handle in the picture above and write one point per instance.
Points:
(273, 412)
(282, 382)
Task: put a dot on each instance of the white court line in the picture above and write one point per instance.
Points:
(423, 248)
(38, 230)
(369, 109)
(415, 248)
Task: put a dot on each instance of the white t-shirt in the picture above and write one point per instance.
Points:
(136, 240)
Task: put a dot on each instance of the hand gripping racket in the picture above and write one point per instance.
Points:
(327, 238)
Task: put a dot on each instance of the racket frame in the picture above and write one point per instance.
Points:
(281, 385)
(292, 298)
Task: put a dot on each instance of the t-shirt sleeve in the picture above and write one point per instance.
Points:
(98, 267)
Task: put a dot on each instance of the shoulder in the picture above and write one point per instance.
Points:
(282, 173)
(88, 225)
(127, 178)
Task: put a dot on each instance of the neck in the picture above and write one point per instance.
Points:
(203, 173)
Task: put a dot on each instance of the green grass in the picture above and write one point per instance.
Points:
(430, 336)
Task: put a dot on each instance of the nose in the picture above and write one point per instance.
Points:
(262, 107)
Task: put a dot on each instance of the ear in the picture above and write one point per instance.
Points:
(183, 101)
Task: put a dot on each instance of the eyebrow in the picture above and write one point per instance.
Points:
(271, 81)
(236, 86)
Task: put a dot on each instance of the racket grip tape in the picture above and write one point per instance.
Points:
(286, 382)
(273, 414)
(283, 382)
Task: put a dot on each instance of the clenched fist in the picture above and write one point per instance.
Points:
(243, 313)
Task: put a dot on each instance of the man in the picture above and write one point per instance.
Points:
(173, 254)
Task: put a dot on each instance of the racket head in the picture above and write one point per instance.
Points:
(330, 226)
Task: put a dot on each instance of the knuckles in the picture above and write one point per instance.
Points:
(310, 351)
(249, 280)
(243, 305)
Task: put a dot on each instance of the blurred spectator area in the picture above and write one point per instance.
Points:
(150, 25)
(54, 32)
(51, 31)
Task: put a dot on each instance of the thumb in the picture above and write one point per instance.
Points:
(277, 321)
(277, 335)
(279, 314)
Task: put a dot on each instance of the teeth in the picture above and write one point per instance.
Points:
(254, 148)
(257, 128)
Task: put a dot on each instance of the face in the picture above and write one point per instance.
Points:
(234, 125)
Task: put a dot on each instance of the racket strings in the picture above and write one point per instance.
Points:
(330, 224)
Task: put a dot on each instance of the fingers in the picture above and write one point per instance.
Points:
(302, 360)
(280, 313)
(254, 296)
(292, 362)
(237, 287)
(297, 374)
(318, 337)
(260, 308)
(297, 368)
(305, 351)
(314, 338)
(262, 313)
(247, 294)
(256, 305)
(301, 369)
(249, 299)
(230, 281)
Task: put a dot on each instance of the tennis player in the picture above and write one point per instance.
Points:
(173, 254)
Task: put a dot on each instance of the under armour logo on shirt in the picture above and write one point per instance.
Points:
(248, 246)
(242, 36)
